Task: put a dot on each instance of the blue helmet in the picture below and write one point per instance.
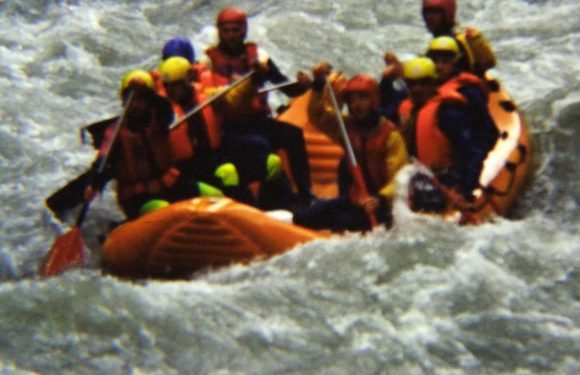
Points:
(178, 47)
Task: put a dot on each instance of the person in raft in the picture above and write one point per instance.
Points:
(377, 145)
(233, 57)
(198, 142)
(446, 54)
(440, 132)
(141, 160)
(440, 20)
(178, 47)
(476, 55)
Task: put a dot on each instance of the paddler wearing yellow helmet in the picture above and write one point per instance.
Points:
(445, 53)
(143, 171)
(440, 20)
(207, 157)
(197, 142)
(441, 129)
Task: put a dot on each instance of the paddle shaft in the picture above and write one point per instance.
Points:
(210, 100)
(71, 194)
(355, 168)
(277, 87)
(104, 152)
(67, 250)
(109, 145)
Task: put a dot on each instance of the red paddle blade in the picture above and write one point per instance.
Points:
(66, 252)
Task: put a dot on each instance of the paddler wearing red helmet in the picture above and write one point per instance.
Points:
(440, 20)
(235, 56)
(377, 145)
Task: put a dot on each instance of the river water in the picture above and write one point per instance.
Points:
(424, 298)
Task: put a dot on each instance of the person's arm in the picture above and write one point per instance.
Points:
(391, 87)
(486, 129)
(469, 151)
(397, 157)
(391, 99)
(322, 116)
(275, 76)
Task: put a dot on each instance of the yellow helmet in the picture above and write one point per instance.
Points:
(137, 77)
(444, 44)
(419, 68)
(174, 69)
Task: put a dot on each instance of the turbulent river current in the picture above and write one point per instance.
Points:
(426, 297)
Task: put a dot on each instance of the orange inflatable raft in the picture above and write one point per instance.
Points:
(203, 233)
(507, 167)
(197, 234)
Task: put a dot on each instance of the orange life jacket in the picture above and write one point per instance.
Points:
(371, 153)
(461, 80)
(432, 146)
(183, 146)
(158, 84)
(144, 162)
(228, 67)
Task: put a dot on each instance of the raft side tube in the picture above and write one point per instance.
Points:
(196, 234)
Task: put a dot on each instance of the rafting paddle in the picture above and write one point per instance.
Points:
(211, 99)
(354, 166)
(71, 195)
(277, 87)
(67, 250)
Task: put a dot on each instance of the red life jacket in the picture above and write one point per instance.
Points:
(144, 162)
(227, 68)
(183, 147)
(372, 154)
(432, 146)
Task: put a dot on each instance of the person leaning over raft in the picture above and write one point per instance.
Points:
(232, 57)
(378, 148)
(141, 161)
(440, 131)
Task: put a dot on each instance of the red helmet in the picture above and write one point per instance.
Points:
(363, 83)
(449, 8)
(232, 15)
